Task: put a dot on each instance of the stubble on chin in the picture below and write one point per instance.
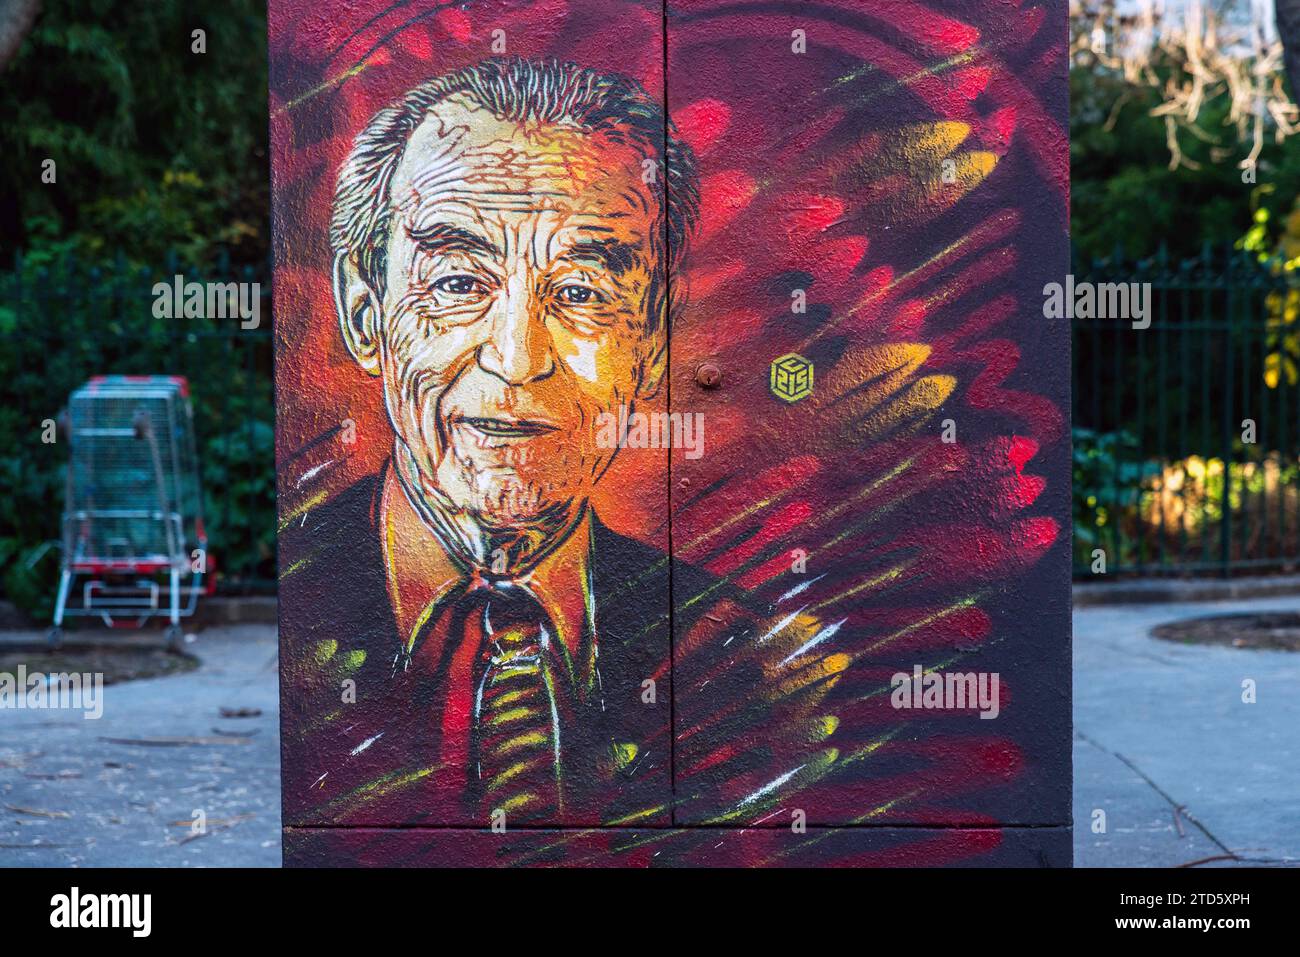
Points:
(532, 496)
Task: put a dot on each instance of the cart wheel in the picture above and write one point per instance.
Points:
(54, 636)
(175, 638)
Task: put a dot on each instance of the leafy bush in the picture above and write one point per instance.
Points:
(63, 321)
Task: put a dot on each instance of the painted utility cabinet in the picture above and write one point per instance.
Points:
(672, 449)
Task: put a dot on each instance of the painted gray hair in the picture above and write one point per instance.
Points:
(513, 88)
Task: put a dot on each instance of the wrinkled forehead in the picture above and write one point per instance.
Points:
(464, 162)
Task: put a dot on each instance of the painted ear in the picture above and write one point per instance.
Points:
(358, 311)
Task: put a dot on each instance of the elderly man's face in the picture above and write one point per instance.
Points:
(518, 284)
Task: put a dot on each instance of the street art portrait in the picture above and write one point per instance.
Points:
(670, 449)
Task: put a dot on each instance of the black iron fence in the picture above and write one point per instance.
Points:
(1186, 431)
(62, 322)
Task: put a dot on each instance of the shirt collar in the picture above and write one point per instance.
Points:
(420, 572)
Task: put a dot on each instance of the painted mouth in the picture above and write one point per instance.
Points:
(508, 428)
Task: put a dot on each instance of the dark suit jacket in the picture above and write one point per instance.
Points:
(744, 732)
(372, 757)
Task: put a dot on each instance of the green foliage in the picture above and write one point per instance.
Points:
(63, 321)
(1123, 193)
(161, 168)
(1159, 397)
(1141, 509)
(1107, 478)
(156, 147)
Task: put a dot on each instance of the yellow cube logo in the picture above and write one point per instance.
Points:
(792, 377)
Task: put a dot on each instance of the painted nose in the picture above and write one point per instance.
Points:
(519, 349)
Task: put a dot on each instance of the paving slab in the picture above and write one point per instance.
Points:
(125, 790)
(1161, 726)
(1158, 726)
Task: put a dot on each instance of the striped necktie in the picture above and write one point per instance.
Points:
(514, 762)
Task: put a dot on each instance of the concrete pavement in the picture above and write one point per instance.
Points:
(70, 798)
(1160, 726)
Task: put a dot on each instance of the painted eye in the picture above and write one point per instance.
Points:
(459, 285)
(578, 295)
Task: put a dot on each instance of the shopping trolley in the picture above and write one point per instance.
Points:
(133, 539)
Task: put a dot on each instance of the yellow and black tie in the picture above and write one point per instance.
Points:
(515, 749)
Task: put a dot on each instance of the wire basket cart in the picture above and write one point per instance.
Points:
(133, 540)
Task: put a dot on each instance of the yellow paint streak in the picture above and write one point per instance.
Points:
(823, 835)
(300, 563)
(854, 528)
(865, 379)
(517, 801)
(379, 788)
(624, 754)
(888, 575)
(816, 768)
(390, 569)
(510, 696)
(952, 250)
(420, 622)
(303, 509)
(514, 714)
(826, 669)
(510, 773)
(322, 87)
(917, 403)
(939, 139)
(973, 168)
(872, 747)
(921, 623)
(637, 815)
(917, 150)
(795, 634)
(823, 518)
(521, 741)
(834, 664)
(740, 516)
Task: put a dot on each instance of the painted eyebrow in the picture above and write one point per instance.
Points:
(441, 238)
(618, 257)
